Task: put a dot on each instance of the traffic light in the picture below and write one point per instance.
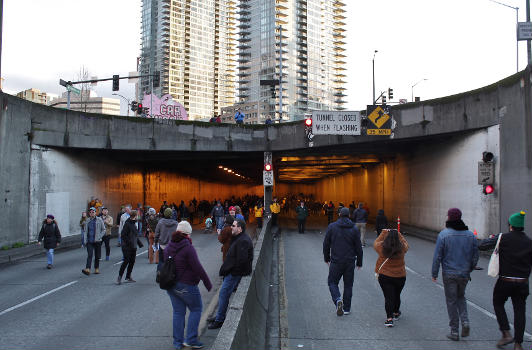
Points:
(488, 189)
(139, 108)
(308, 122)
(134, 106)
(390, 93)
(157, 79)
(487, 157)
(383, 99)
(116, 82)
(268, 166)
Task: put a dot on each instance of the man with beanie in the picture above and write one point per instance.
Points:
(341, 248)
(457, 252)
(163, 232)
(515, 263)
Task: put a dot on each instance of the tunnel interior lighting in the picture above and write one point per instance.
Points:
(220, 167)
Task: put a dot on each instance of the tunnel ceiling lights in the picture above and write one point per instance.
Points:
(232, 172)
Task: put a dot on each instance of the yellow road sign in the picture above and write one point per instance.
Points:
(379, 132)
(378, 117)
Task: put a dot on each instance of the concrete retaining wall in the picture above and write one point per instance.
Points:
(245, 324)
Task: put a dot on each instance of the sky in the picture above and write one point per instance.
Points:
(456, 45)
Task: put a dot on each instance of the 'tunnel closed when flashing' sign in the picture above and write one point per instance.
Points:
(335, 123)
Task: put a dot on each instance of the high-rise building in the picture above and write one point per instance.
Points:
(191, 44)
(37, 96)
(302, 40)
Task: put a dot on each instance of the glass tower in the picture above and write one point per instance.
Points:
(302, 40)
(191, 44)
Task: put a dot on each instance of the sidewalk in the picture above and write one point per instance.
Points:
(13, 255)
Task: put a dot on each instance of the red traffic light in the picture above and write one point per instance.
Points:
(488, 189)
(268, 167)
(308, 122)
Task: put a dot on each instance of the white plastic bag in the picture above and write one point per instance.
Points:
(493, 267)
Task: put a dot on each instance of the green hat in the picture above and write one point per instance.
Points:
(517, 219)
(168, 213)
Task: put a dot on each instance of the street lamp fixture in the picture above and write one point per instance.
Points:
(373, 61)
(517, 23)
(127, 100)
(415, 85)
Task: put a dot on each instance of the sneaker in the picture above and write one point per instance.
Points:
(198, 345)
(453, 336)
(49, 266)
(215, 325)
(347, 312)
(130, 280)
(86, 272)
(465, 330)
(119, 280)
(96, 271)
(396, 315)
(388, 323)
(339, 308)
(211, 319)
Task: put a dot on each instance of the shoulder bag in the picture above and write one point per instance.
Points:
(493, 266)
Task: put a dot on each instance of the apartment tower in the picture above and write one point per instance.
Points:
(191, 44)
(307, 36)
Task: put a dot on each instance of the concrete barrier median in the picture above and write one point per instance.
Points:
(245, 324)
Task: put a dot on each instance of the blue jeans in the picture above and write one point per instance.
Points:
(228, 286)
(182, 296)
(50, 256)
(347, 272)
(219, 222)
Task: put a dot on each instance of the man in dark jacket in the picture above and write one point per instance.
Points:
(130, 241)
(218, 214)
(238, 262)
(360, 218)
(341, 248)
(515, 263)
(52, 237)
(301, 215)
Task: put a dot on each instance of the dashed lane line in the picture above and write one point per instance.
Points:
(120, 262)
(37, 298)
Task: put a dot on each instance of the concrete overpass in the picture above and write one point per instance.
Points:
(55, 160)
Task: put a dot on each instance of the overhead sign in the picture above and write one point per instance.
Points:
(164, 107)
(486, 173)
(380, 122)
(524, 31)
(267, 178)
(335, 123)
(73, 89)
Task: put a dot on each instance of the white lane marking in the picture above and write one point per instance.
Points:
(120, 262)
(470, 303)
(37, 298)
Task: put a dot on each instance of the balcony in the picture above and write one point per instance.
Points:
(243, 47)
(244, 26)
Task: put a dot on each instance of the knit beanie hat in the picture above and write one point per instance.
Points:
(168, 213)
(184, 227)
(50, 216)
(454, 214)
(517, 219)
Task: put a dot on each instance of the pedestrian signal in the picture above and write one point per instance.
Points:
(268, 167)
(488, 189)
(308, 122)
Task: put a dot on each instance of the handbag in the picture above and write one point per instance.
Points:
(379, 270)
(493, 266)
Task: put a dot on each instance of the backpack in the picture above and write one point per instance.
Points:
(167, 275)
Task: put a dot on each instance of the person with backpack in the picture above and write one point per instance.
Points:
(185, 292)
(51, 236)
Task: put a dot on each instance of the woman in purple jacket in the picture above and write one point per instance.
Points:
(186, 293)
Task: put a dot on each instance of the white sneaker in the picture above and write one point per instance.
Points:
(347, 312)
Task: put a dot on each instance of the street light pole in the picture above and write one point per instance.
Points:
(415, 85)
(373, 61)
(127, 100)
(517, 23)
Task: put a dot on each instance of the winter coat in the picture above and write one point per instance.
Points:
(239, 258)
(218, 210)
(99, 229)
(108, 221)
(152, 223)
(225, 239)
(342, 242)
(301, 212)
(360, 216)
(51, 235)
(381, 222)
(394, 266)
(456, 251)
(129, 235)
(188, 266)
(164, 229)
(515, 253)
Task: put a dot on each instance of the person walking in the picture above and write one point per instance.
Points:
(301, 216)
(123, 219)
(329, 209)
(84, 218)
(360, 218)
(163, 232)
(341, 250)
(108, 222)
(94, 231)
(390, 268)
(275, 209)
(457, 253)
(153, 249)
(51, 236)
(185, 293)
(515, 263)
(381, 222)
(130, 242)
(225, 235)
(238, 263)
(259, 211)
(218, 214)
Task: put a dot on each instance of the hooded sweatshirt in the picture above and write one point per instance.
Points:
(342, 242)
(163, 231)
(188, 267)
